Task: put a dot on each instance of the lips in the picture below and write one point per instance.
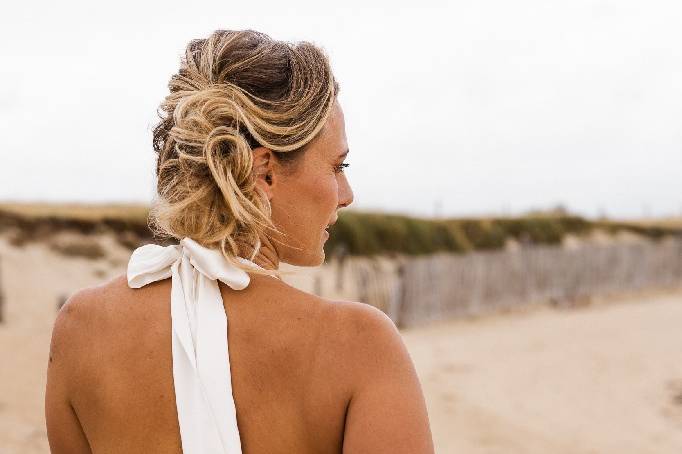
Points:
(326, 229)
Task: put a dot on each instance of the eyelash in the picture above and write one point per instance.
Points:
(340, 167)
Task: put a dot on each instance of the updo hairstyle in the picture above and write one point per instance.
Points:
(234, 91)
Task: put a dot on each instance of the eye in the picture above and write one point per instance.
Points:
(339, 168)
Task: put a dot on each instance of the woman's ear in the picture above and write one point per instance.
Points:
(263, 164)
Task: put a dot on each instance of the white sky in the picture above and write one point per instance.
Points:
(478, 107)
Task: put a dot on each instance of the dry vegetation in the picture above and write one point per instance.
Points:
(81, 211)
(356, 233)
(30, 222)
(668, 223)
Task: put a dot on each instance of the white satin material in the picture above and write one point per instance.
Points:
(201, 367)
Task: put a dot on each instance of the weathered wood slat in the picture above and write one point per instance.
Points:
(421, 289)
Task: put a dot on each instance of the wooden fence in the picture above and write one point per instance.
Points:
(420, 289)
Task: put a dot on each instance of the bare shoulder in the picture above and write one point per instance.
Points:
(360, 317)
(347, 323)
(88, 315)
(73, 333)
(88, 305)
(365, 342)
(65, 366)
(81, 311)
(364, 327)
(351, 334)
(386, 412)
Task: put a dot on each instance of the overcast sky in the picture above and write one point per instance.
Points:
(480, 107)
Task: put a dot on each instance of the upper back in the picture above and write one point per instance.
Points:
(308, 375)
(284, 364)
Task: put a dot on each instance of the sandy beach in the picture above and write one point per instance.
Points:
(605, 378)
(599, 379)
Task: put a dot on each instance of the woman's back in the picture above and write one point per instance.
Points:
(297, 361)
(251, 149)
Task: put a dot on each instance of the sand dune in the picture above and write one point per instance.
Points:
(600, 379)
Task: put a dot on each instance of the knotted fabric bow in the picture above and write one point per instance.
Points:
(201, 368)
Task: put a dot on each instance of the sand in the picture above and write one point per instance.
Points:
(599, 379)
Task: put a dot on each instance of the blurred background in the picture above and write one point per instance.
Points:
(518, 201)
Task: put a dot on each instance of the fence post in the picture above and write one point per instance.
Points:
(398, 295)
(340, 253)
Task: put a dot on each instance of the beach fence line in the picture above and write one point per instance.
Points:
(414, 290)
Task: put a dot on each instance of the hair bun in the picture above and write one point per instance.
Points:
(233, 91)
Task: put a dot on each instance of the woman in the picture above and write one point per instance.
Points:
(251, 149)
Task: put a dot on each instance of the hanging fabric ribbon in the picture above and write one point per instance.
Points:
(201, 368)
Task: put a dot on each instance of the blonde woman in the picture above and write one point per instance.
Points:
(201, 348)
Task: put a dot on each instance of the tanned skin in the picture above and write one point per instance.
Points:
(309, 375)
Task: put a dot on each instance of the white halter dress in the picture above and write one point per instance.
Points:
(201, 367)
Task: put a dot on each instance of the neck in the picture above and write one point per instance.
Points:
(267, 255)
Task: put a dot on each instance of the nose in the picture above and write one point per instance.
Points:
(345, 192)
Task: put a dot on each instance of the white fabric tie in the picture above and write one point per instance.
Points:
(201, 368)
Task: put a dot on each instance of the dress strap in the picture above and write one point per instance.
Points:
(201, 367)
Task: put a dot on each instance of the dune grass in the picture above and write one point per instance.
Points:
(79, 211)
(355, 233)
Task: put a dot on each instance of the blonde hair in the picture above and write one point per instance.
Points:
(234, 91)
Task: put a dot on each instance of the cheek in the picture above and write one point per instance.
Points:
(324, 192)
(308, 202)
